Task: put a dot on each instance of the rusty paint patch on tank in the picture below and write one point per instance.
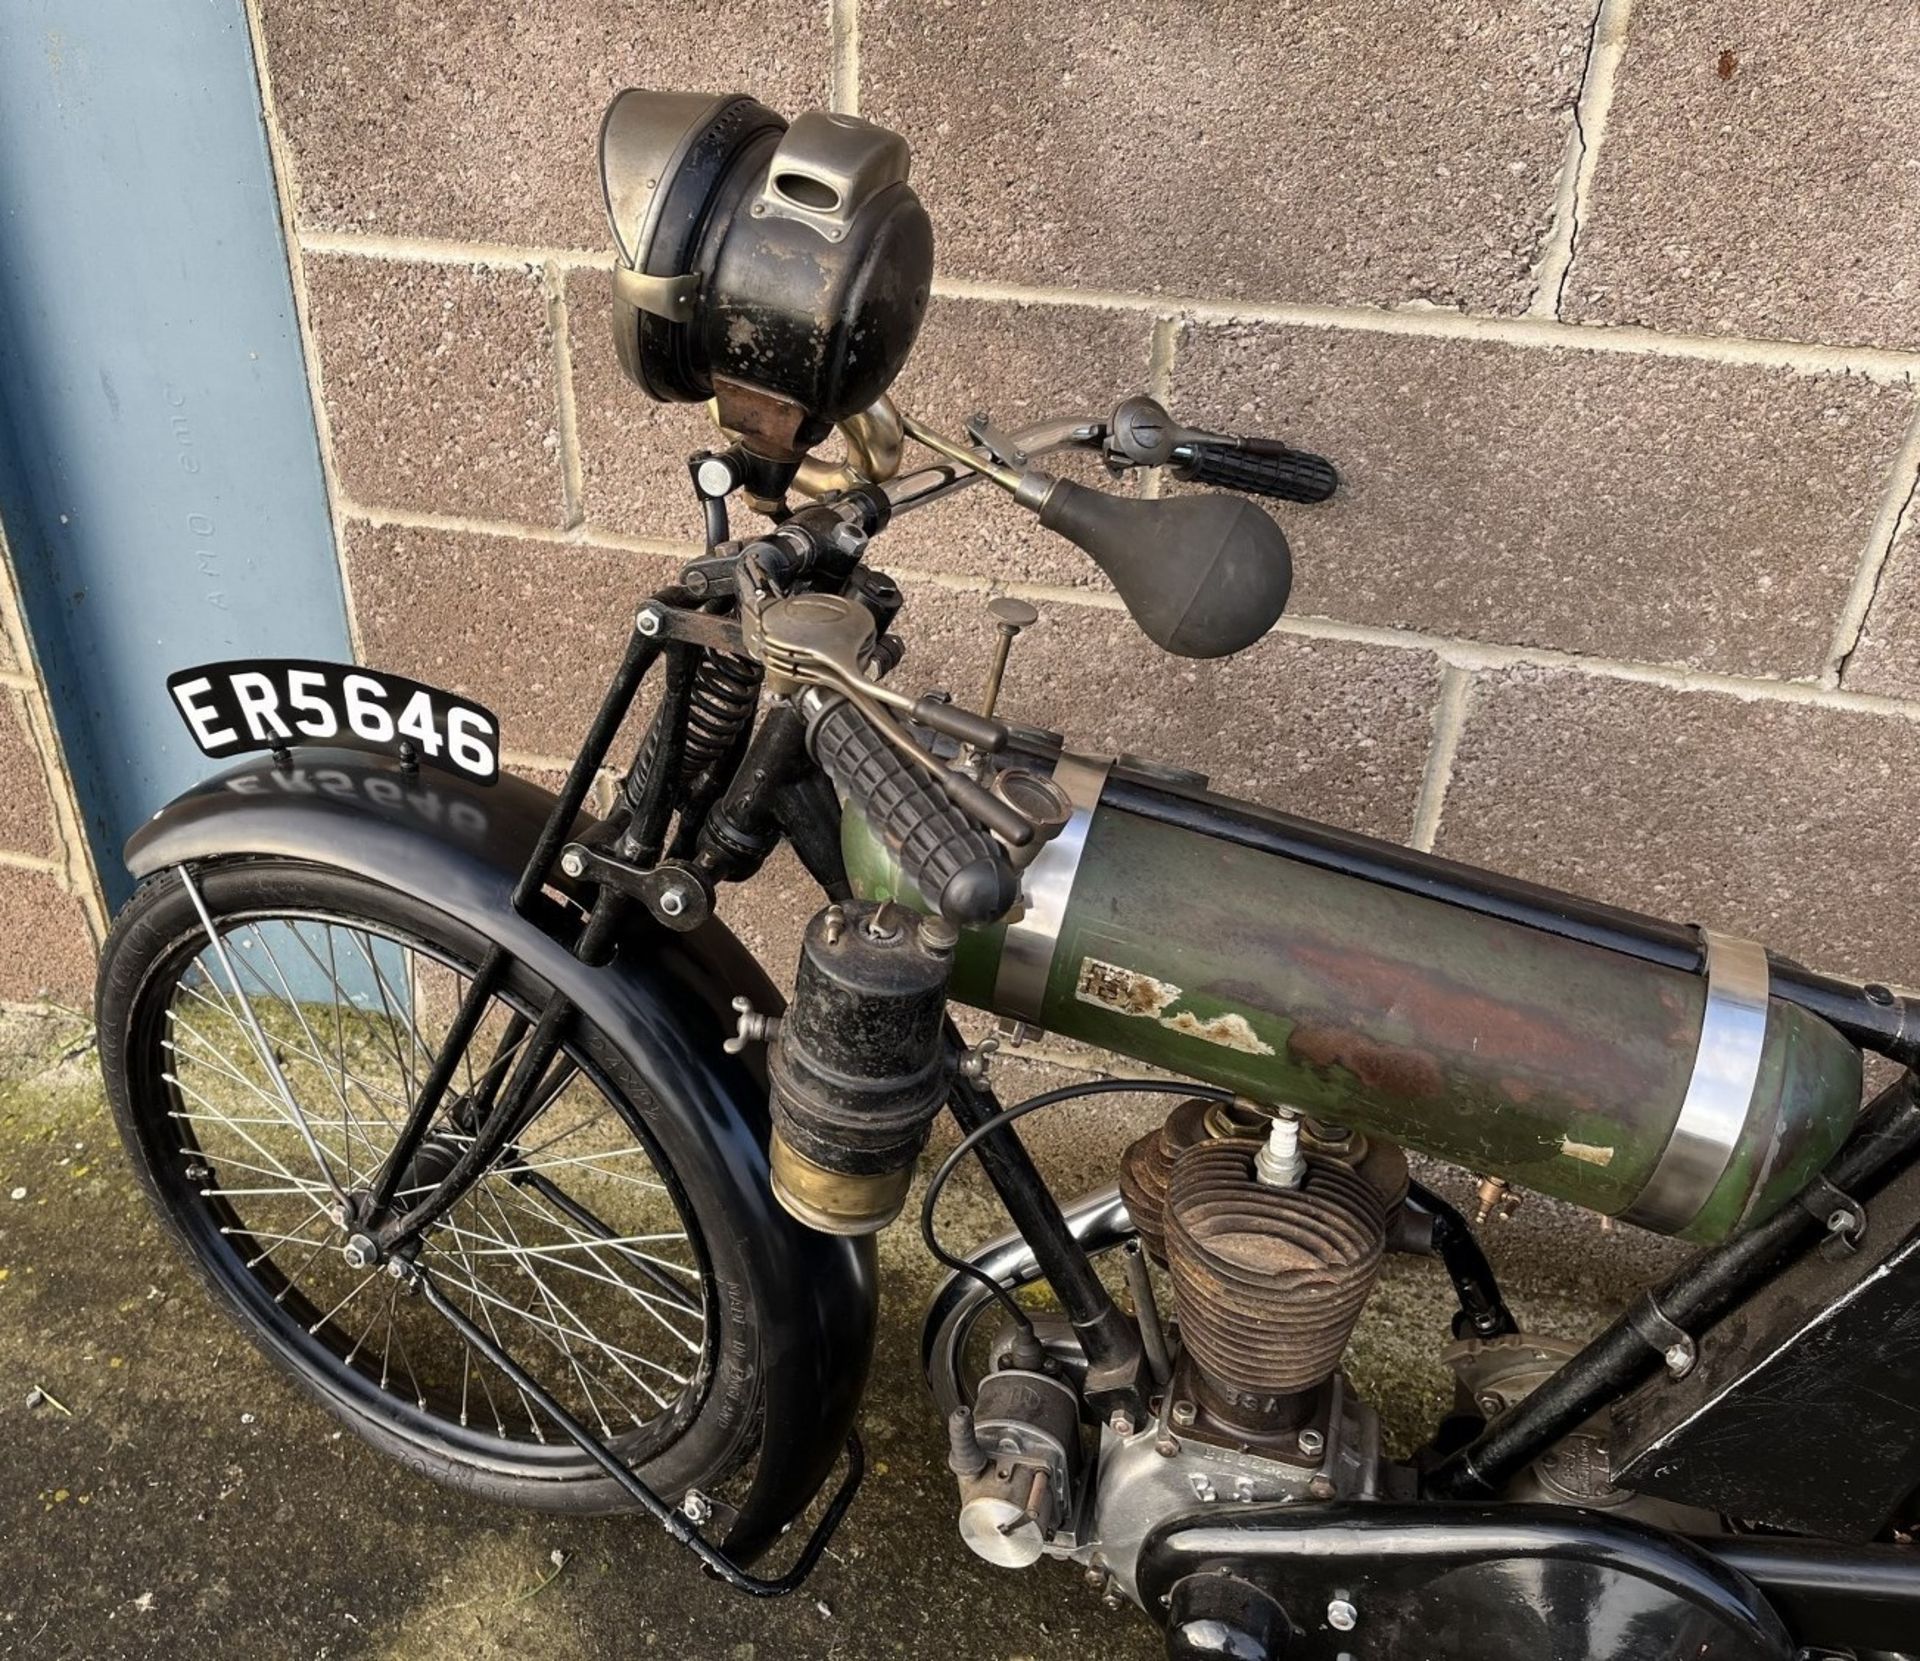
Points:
(1588, 1153)
(1392, 1070)
(1441, 1007)
(1125, 991)
(1129, 992)
(1235, 1032)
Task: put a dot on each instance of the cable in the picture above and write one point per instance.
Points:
(1006, 1116)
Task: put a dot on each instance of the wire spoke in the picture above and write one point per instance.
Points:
(646, 1299)
(553, 1299)
(586, 1288)
(545, 1330)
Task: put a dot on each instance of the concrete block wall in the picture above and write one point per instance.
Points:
(1611, 318)
(51, 918)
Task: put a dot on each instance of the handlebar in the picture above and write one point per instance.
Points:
(1139, 433)
(1258, 467)
(1142, 434)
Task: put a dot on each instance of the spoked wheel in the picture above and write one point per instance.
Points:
(259, 1082)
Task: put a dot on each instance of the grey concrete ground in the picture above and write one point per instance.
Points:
(181, 1500)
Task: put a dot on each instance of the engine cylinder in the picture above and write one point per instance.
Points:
(1267, 1281)
(1147, 1167)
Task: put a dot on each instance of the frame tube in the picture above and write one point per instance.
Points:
(1696, 1295)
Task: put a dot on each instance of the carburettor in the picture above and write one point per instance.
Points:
(1017, 1455)
(859, 1064)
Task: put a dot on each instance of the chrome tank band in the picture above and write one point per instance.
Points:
(1026, 959)
(1726, 1067)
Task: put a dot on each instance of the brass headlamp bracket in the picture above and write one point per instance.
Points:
(874, 440)
(671, 298)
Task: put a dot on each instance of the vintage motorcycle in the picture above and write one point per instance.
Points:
(474, 1115)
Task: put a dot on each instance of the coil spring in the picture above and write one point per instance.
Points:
(725, 690)
(720, 702)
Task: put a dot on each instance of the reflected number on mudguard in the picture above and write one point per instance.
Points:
(275, 703)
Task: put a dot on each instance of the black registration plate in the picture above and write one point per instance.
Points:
(276, 703)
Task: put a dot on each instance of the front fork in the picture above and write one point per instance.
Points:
(391, 1232)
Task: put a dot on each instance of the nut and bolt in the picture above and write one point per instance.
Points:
(1167, 1446)
(696, 1507)
(360, 1252)
(975, 1062)
(649, 622)
(1342, 1616)
(673, 902)
(1312, 1443)
(1183, 1414)
(1838, 1221)
(573, 863)
(1321, 1487)
(1490, 1403)
(1121, 1424)
(1679, 1358)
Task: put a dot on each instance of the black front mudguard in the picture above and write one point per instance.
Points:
(664, 1000)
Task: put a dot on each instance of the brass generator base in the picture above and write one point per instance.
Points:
(832, 1201)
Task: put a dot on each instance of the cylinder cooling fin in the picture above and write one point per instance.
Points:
(1268, 1282)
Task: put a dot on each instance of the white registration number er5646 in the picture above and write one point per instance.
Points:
(277, 703)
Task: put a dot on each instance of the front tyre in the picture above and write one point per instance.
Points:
(595, 1250)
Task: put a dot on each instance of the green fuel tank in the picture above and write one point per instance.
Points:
(1691, 1103)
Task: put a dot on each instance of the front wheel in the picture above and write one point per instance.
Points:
(251, 1077)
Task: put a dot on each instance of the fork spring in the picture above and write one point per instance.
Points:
(719, 705)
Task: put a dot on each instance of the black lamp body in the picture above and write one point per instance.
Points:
(803, 258)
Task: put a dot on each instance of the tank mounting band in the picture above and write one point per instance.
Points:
(1026, 960)
(1726, 1067)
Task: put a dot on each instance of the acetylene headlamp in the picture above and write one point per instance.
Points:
(779, 270)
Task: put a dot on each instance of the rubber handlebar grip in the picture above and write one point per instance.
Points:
(957, 867)
(1260, 467)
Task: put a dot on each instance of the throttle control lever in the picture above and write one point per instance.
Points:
(1142, 434)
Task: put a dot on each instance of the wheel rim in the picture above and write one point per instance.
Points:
(574, 1251)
